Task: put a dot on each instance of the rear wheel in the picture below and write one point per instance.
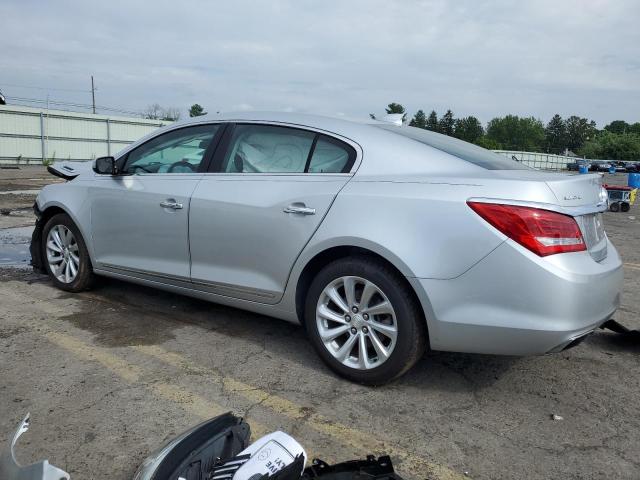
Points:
(363, 321)
(66, 258)
(615, 207)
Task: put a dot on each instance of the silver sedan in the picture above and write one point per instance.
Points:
(381, 239)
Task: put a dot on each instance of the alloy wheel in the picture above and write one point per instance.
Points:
(63, 254)
(356, 322)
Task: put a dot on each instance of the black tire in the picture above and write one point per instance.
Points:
(85, 277)
(615, 207)
(411, 338)
(624, 207)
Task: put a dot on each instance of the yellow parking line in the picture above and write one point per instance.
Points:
(347, 436)
(129, 373)
(190, 402)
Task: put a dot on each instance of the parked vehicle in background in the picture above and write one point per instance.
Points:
(633, 167)
(381, 239)
(575, 166)
(600, 166)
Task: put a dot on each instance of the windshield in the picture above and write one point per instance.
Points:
(466, 151)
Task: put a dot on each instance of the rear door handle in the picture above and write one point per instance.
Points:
(172, 204)
(300, 209)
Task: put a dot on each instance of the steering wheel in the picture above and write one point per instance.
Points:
(181, 164)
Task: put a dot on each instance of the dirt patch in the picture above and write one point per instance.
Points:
(8, 332)
(9, 202)
(122, 326)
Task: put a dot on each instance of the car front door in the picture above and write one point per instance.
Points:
(139, 218)
(250, 219)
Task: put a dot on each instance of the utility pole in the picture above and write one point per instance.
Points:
(93, 95)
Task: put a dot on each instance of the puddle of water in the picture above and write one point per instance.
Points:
(14, 246)
(14, 256)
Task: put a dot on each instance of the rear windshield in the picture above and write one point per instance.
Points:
(466, 151)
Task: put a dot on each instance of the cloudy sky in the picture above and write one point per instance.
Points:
(486, 58)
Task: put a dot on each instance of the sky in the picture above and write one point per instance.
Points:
(349, 57)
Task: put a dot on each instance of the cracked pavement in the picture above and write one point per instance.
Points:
(111, 374)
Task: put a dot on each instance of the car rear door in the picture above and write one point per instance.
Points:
(139, 218)
(250, 218)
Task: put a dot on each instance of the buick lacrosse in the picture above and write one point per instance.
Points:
(380, 239)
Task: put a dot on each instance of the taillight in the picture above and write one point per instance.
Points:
(542, 231)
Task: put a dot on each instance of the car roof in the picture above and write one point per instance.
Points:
(347, 127)
(388, 151)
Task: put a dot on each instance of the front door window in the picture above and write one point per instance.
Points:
(178, 151)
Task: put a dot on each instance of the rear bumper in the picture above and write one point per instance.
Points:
(516, 303)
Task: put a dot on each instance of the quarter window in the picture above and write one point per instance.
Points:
(331, 156)
(178, 151)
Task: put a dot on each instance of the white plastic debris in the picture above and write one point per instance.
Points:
(556, 417)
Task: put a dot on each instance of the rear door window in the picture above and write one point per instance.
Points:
(268, 149)
(273, 149)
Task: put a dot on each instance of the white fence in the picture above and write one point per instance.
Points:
(34, 136)
(542, 161)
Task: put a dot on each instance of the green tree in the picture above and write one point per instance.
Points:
(555, 135)
(196, 110)
(432, 121)
(579, 131)
(419, 120)
(612, 146)
(397, 108)
(515, 133)
(488, 143)
(447, 123)
(618, 126)
(635, 128)
(468, 129)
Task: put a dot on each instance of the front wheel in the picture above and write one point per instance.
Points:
(363, 321)
(66, 258)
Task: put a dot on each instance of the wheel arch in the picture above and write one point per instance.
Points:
(45, 214)
(327, 255)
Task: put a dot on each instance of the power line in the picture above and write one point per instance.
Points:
(93, 95)
(45, 88)
(72, 104)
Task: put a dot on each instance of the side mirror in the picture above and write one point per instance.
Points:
(105, 166)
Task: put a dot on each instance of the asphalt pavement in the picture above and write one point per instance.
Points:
(111, 374)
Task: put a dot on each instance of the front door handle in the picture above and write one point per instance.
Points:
(300, 209)
(172, 204)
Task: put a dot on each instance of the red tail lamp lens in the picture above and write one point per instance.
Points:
(542, 231)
